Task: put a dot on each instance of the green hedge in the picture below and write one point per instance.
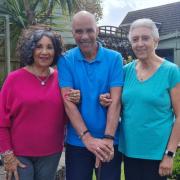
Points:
(1, 80)
(176, 168)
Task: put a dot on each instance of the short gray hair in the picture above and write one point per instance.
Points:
(144, 22)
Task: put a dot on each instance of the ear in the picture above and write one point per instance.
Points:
(72, 31)
(156, 42)
(97, 31)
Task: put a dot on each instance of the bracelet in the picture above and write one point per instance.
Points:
(7, 152)
(83, 133)
(107, 136)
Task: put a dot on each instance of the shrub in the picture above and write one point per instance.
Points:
(176, 167)
(1, 80)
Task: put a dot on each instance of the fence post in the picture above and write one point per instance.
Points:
(7, 41)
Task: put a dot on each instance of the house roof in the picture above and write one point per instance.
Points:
(166, 16)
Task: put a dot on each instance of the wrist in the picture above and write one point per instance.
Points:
(169, 153)
(84, 133)
(8, 158)
(87, 138)
(108, 136)
(7, 152)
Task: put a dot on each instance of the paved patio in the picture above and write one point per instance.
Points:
(2, 174)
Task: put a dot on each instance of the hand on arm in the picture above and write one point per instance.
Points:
(166, 164)
(105, 99)
(73, 95)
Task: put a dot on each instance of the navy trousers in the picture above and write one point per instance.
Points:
(80, 164)
(141, 169)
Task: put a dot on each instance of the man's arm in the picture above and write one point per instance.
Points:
(116, 83)
(73, 113)
(113, 111)
(114, 107)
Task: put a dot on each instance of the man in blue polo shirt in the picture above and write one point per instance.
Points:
(92, 130)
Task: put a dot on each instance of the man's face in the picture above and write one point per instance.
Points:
(85, 33)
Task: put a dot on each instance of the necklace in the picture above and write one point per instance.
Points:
(144, 73)
(43, 82)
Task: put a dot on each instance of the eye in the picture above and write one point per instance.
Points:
(39, 46)
(50, 47)
(90, 30)
(134, 39)
(78, 31)
(145, 38)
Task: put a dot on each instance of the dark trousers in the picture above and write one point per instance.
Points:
(80, 164)
(141, 169)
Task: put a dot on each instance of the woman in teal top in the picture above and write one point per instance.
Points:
(150, 127)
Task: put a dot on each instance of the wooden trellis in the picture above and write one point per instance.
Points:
(115, 38)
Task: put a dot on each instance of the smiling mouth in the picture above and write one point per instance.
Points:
(140, 51)
(44, 58)
(85, 43)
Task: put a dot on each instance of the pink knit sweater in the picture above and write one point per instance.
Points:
(32, 116)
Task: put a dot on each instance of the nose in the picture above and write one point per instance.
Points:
(140, 42)
(84, 35)
(44, 50)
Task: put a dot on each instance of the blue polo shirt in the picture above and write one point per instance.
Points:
(92, 78)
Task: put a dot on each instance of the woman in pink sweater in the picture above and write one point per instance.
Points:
(32, 116)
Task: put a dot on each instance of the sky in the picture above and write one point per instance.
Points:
(114, 11)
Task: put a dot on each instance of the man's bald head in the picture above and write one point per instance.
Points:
(81, 15)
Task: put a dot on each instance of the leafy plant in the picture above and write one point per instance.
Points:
(23, 13)
(1, 80)
(176, 167)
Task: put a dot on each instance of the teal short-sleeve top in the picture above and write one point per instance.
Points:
(147, 112)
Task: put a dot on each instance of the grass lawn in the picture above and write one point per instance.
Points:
(122, 173)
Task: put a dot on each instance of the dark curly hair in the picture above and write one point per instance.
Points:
(28, 45)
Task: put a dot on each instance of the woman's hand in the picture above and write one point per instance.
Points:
(166, 166)
(11, 163)
(73, 95)
(105, 99)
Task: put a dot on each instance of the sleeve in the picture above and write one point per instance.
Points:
(174, 78)
(117, 74)
(64, 73)
(5, 122)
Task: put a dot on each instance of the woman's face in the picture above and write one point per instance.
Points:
(44, 52)
(143, 43)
